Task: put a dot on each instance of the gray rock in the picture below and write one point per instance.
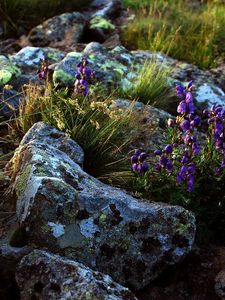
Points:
(29, 58)
(108, 70)
(150, 124)
(59, 31)
(106, 8)
(69, 212)
(42, 131)
(42, 275)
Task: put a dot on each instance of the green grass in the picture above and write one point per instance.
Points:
(102, 133)
(188, 33)
(151, 85)
(19, 16)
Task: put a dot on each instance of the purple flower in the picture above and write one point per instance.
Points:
(163, 161)
(196, 122)
(169, 166)
(185, 125)
(182, 107)
(189, 87)
(168, 149)
(189, 97)
(180, 91)
(82, 77)
(134, 167)
(138, 162)
(143, 156)
(157, 152)
(134, 159)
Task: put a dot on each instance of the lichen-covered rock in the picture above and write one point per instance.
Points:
(220, 284)
(44, 132)
(43, 275)
(29, 58)
(68, 211)
(59, 31)
(109, 70)
(150, 124)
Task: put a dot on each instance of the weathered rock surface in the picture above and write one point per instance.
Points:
(69, 212)
(150, 124)
(59, 31)
(42, 275)
(29, 58)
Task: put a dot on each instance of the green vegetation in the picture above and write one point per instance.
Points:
(99, 130)
(191, 32)
(151, 86)
(18, 16)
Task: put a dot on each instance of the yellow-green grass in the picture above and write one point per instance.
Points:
(151, 85)
(194, 34)
(102, 133)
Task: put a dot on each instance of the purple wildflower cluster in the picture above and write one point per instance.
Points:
(43, 71)
(83, 75)
(184, 146)
(164, 161)
(189, 147)
(139, 164)
(216, 120)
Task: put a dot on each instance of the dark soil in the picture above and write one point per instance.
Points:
(193, 279)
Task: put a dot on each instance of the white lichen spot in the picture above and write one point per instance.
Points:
(179, 251)
(57, 229)
(87, 227)
(213, 95)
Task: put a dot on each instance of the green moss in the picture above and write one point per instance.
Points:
(41, 171)
(22, 180)
(88, 296)
(102, 23)
(102, 218)
(5, 77)
(182, 228)
(116, 66)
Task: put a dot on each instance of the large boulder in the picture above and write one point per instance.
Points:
(67, 211)
(59, 31)
(43, 275)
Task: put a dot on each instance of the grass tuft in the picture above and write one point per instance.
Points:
(151, 86)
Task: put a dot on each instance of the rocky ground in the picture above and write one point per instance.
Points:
(106, 243)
